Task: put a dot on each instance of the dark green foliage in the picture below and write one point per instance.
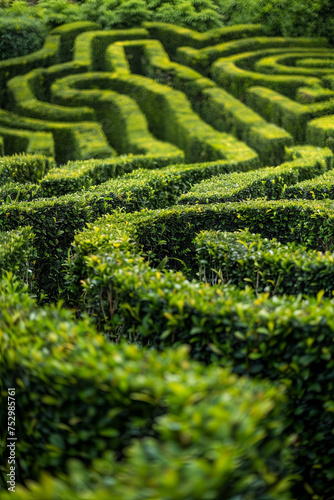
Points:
(270, 182)
(283, 17)
(55, 220)
(168, 428)
(320, 189)
(17, 253)
(20, 36)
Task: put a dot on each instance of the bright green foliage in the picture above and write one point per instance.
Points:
(165, 409)
(283, 338)
(270, 182)
(55, 220)
(125, 124)
(320, 131)
(321, 188)
(243, 258)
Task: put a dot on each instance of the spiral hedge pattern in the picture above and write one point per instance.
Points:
(177, 187)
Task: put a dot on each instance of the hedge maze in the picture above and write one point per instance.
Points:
(171, 187)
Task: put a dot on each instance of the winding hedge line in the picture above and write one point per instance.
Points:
(56, 219)
(270, 182)
(283, 338)
(243, 258)
(214, 105)
(141, 407)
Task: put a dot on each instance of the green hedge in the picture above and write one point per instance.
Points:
(243, 258)
(231, 74)
(270, 182)
(307, 95)
(80, 175)
(148, 400)
(168, 113)
(77, 141)
(68, 34)
(291, 115)
(57, 48)
(90, 48)
(173, 36)
(166, 236)
(22, 99)
(292, 63)
(20, 36)
(42, 58)
(17, 253)
(204, 58)
(23, 141)
(122, 120)
(215, 106)
(24, 168)
(320, 132)
(283, 338)
(321, 188)
(56, 219)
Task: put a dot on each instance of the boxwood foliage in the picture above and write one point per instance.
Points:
(80, 175)
(81, 395)
(270, 182)
(283, 338)
(55, 220)
(214, 105)
(244, 258)
(24, 168)
(17, 253)
(321, 188)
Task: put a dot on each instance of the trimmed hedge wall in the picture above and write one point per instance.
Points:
(168, 113)
(233, 74)
(77, 141)
(17, 253)
(23, 141)
(215, 106)
(320, 132)
(24, 168)
(57, 48)
(204, 58)
(293, 116)
(162, 308)
(167, 408)
(243, 258)
(321, 188)
(173, 36)
(270, 182)
(56, 219)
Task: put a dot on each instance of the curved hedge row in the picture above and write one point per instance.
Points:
(166, 425)
(170, 418)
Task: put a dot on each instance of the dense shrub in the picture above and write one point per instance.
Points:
(200, 15)
(17, 253)
(283, 17)
(244, 258)
(283, 338)
(279, 17)
(24, 168)
(20, 36)
(81, 396)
